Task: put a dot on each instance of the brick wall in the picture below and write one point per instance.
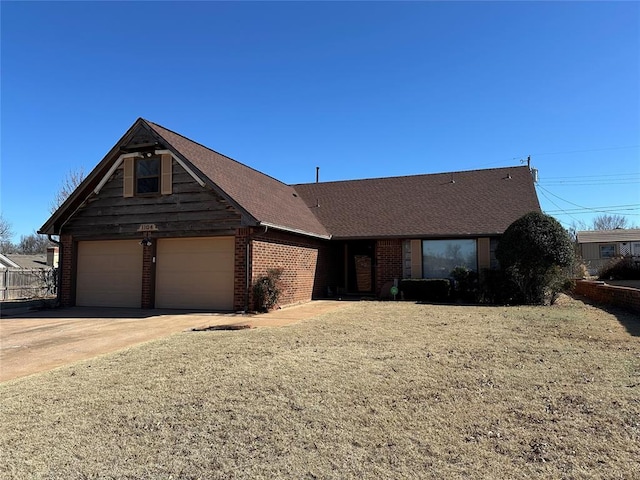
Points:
(612, 295)
(148, 276)
(303, 263)
(388, 262)
(240, 270)
(67, 270)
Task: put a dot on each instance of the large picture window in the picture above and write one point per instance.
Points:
(440, 257)
(148, 175)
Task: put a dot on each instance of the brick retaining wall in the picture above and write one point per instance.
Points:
(600, 292)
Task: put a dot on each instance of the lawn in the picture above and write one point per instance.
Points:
(375, 390)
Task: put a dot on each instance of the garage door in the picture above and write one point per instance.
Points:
(195, 273)
(109, 274)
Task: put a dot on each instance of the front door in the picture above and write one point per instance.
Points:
(360, 264)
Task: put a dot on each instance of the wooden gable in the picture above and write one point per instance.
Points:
(187, 208)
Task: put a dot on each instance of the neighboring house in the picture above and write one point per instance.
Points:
(41, 260)
(165, 222)
(598, 247)
(27, 276)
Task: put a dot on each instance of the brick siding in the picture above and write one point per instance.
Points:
(67, 271)
(240, 294)
(302, 260)
(600, 292)
(388, 262)
(148, 276)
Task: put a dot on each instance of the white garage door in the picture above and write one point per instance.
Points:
(195, 273)
(109, 274)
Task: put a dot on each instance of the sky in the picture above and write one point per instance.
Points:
(359, 89)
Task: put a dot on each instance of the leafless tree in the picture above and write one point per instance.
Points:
(70, 182)
(610, 222)
(6, 232)
(32, 244)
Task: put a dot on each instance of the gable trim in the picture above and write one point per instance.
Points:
(113, 168)
(124, 156)
(183, 165)
(294, 230)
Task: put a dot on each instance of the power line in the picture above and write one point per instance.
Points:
(554, 203)
(601, 210)
(593, 183)
(581, 207)
(584, 151)
(623, 175)
(522, 159)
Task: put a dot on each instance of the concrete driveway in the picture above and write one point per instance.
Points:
(40, 341)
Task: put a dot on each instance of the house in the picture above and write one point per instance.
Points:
(27, 276)
(37, 261)
(165, 222)
(598, 247)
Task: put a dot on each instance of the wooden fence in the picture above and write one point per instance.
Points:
(25, 283)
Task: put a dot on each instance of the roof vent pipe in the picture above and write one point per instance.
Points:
(317, 174)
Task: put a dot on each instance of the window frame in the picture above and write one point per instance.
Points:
(425, 268)
(158, 176)
(608, 246)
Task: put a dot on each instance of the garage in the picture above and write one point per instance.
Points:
(109, 273)
(195, 273)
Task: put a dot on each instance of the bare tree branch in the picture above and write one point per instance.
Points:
(6, 231)
(610, 222)
(70, 182)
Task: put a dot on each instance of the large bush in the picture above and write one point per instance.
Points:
(536, 255)
(620, 268)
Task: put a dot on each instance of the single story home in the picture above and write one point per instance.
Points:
(597, 247)
(37, 261)
(165, 222)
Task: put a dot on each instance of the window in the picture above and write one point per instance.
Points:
(440, 257)
(148, 175)
(607, 251)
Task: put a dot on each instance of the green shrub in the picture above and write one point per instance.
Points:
(537, 256)
(426, 289)
(497, 288)
(620, 268)
(267, 290)
(465, 285)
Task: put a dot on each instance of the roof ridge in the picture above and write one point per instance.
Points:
(416, 175)
(153, 124)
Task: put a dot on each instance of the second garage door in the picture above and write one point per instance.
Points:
(195, 273)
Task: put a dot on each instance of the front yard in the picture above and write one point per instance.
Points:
(375, 390)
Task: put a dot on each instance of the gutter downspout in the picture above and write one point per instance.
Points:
(248, 265)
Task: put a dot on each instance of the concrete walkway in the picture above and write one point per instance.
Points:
(40, 341)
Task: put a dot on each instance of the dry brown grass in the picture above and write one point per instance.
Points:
(376, 390)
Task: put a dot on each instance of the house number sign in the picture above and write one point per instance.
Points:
(148, 227)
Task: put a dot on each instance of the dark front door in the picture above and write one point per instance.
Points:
(360, 264)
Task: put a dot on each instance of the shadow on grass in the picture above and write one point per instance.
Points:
(629, 319)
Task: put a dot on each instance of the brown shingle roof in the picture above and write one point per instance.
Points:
(478, 202)
(266, 199)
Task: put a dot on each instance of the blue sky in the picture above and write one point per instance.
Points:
(360, 89)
